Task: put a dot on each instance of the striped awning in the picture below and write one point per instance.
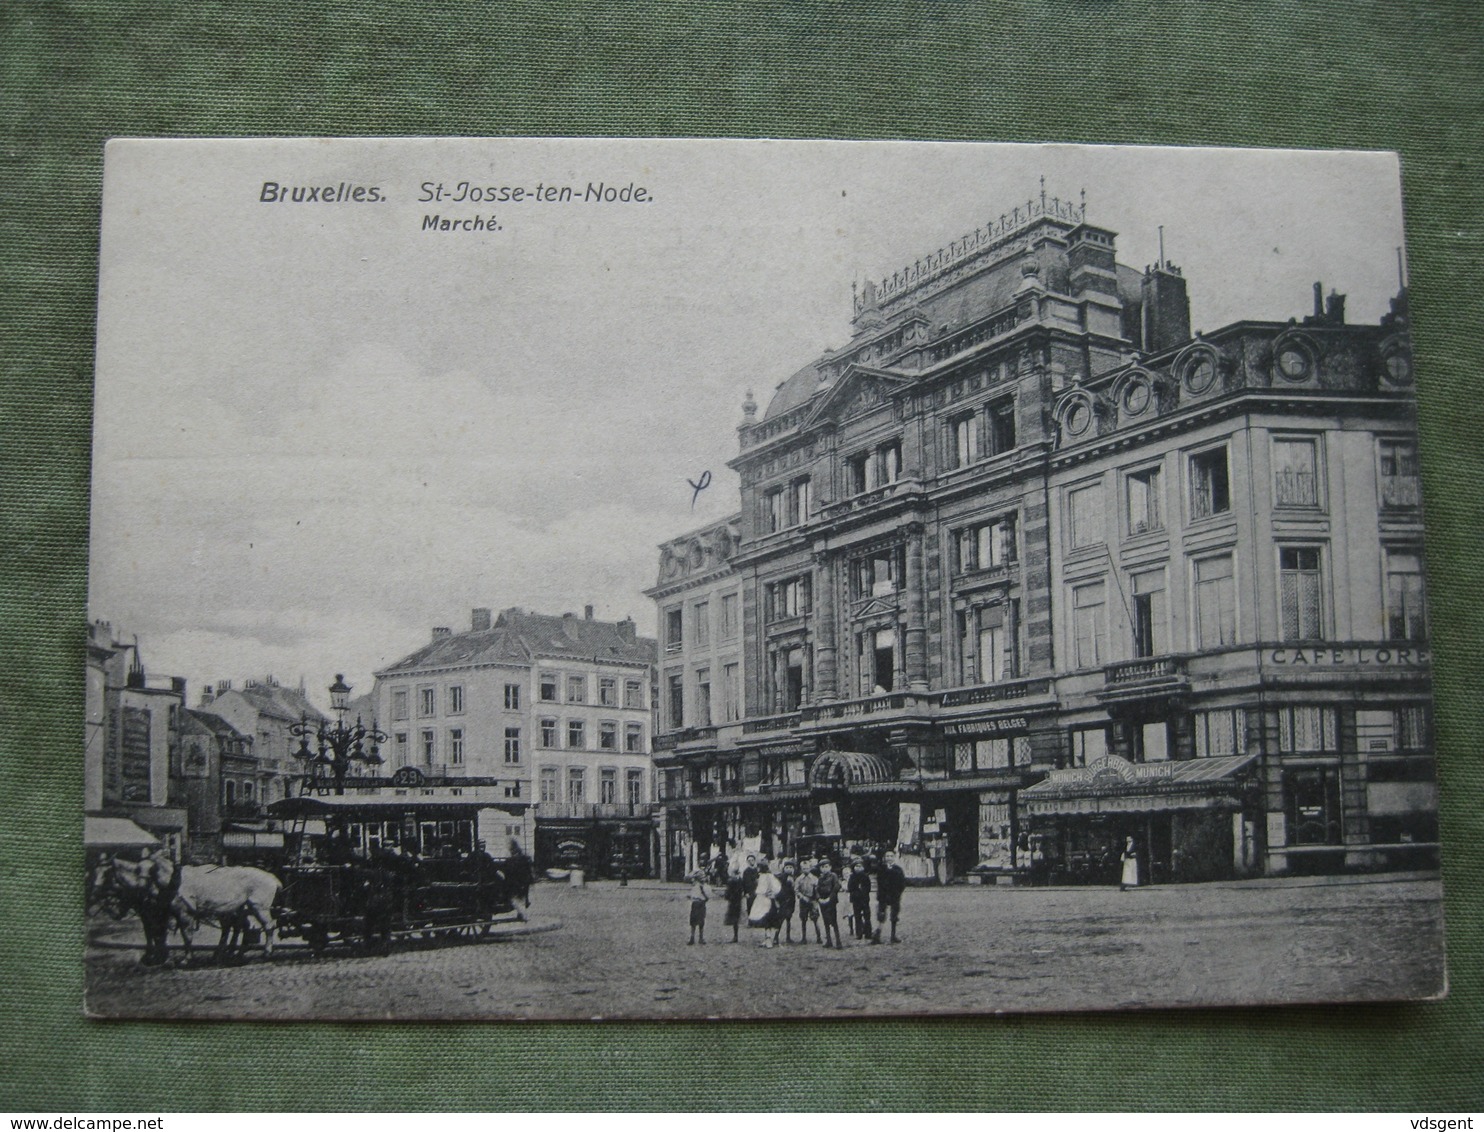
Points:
(850, 768)
(1113, 784)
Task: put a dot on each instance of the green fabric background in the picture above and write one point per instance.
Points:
(1305, 73)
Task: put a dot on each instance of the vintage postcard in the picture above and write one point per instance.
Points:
(535, 578)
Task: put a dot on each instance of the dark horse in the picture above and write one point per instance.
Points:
(146, 888)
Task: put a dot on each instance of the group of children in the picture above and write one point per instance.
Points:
(811, 889)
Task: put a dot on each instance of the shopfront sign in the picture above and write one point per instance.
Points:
(1371, 656)
(909, 825)
(829, 819)
(1010, 724)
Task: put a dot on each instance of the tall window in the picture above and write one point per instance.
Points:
(576, 786)
(1220, 733)
(456, 746)
(1300, 593)
(798, 502)
(633, 694)
(427, 701)
(576, 689)
(1001, 427)
(1087, 745)
(786, 506)
(512, 697)
(549, 791)
(701, 615)
(1143, 502)
(512, 746)
(775, 510)
(1406, 611)
(633, 738)
(787, 677)
(1148, 611)
(608, 786)
(878, 574)
(1215, 602)
(400, 739)
(674, 630)
(1308, 730)
(1210, 485)
(963, 440)
(456, 699)
(549, 733)
(548, 687)
(430, 746)
(703, 697)
(987, 546)
(731, 693)
(399, 704)
(729, 619)
(608, 735)
(608, 691)
(1311, 801)
(635, 787)
(1085, 509)
(882, 465)
(675, 700)
(576, 734)
(878, 660)
(987, 644)
(1295, 473)
(1399, 484)
(1087, 624)
(789, 598)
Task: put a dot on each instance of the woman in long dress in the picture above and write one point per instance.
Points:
(733, 917)
(1130, 878)
(764, 912)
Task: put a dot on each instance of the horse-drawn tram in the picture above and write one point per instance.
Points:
(364, 870)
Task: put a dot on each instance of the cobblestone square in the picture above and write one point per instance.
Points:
(621, 952)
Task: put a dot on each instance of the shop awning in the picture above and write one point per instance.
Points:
(1115, 785)
(851, 768)
(251, 839)
(115, 834)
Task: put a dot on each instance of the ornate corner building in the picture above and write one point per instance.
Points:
(1027, 569)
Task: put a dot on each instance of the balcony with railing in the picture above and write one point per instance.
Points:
(238, 810)
(1144, 677)
(885, 704)
(588, 811)
(994, 693)
(765, 724)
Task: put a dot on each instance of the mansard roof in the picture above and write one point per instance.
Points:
(519, 637)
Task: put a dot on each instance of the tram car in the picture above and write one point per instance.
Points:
(365, 871)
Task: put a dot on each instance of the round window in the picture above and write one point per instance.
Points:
(1136, 398)
(1078, 418)
(1293, 363)
(1398, 368)
(1200, 375)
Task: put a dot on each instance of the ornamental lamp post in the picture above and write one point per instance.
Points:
(337, 746)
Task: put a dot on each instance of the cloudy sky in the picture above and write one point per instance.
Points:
(321, 430)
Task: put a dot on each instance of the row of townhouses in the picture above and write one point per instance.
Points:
(1028, 568)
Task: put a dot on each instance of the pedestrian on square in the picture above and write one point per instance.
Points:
(859, 889)
(749, 882)
(784, 901)
(763, 912)
(808, 905)
(699, 895)
(1130, 858)
(827, 892)
(733, 918)
(891, 882)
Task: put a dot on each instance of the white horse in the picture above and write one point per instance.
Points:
(229, 896)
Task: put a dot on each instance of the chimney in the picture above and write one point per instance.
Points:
(1318, 302)
(479, 621)
(626, 631)
(1166, 308)
(207, 695)
(223, 687)
(441, 631)
(178, 686)
(1334, 308)
(587, 612)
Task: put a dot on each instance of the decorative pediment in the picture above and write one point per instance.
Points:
(859, 390)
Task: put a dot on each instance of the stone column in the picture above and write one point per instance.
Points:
(915, 610)
(826, 687)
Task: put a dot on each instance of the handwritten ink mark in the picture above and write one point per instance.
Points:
(698, 487)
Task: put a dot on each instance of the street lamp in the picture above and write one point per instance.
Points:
(337, 746)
